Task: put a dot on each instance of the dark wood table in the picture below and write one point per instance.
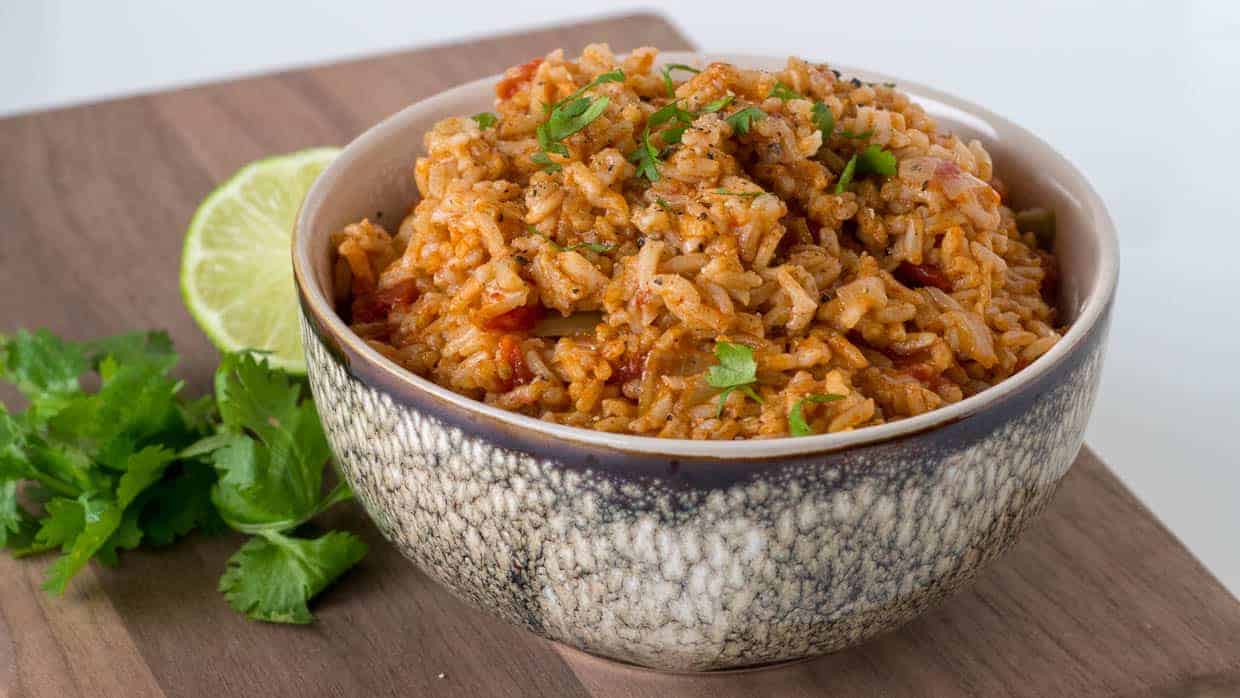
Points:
(1098, 599)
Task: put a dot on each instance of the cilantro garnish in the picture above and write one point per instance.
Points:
(875, 160)
(717, 104)
(597, 247)
(647, 157)
(568, 116)
(663, 204)
(270, 453)
(741, 120)
(784, 92)
(132, 463)
(667, 76)
(872, 160)
(272, 575)
(846, 176)
(485, 119)
(736, 370)
(797, 426)
(860, 136)
(728, 192)
(823, 119)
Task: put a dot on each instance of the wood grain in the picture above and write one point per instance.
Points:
(1099, 599)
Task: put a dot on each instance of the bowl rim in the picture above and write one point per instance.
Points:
(1093, 309)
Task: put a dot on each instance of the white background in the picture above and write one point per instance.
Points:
(1144, 97)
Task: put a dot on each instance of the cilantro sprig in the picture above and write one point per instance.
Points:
(485, 119)
(784, 92)
(873, 160)
(667, 75)
(857, 136)
(797, 426)
(647, 157)
(824, 119)
(133, 463)
(736, 370)
(90, 462)
(597, 247)
(718, 104)
(568, 116)
(741, 120)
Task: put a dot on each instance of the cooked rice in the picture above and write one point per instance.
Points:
(901, 294)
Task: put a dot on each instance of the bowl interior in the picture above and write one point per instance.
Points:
(373, 178)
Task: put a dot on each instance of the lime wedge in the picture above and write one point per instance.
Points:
(236, 267)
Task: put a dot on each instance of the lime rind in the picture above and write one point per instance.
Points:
(236, 267)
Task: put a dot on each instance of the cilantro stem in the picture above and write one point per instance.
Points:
(58, 486)
(340, 493)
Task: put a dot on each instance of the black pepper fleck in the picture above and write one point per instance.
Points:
(855, 82)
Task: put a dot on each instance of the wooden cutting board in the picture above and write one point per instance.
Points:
(1098, 599)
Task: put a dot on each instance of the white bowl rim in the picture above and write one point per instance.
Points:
(1103, 290)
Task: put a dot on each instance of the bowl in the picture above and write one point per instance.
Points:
(700, 555)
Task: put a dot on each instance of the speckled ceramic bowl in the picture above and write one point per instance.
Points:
(692, 555)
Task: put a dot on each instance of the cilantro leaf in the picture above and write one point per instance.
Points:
(104, 517)
(667, 75)
(717, 105)
(741, 120)
(270, 454)
(857, 136)
(824, 119)
(662, 203)
(132, 347)
(273, 576)
(598, 247)
(64, 522)
(748, 194)
(127, 536)
(646, 157)
(11, 513)
(875, 160)
(846, 176)
(784, 92)
(568, 116)
(132, 463)
(736, 370)
(40, 363)
(797, 426)
(485, 119)
(541, 158)
(572, 121)
(175, 506)
(136, 404)
(616, 75)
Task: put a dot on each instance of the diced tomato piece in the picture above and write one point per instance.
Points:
(375, 306)
(515, 77)
(520, 319)
(918, 275)
(509, 352)
(633, 367)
